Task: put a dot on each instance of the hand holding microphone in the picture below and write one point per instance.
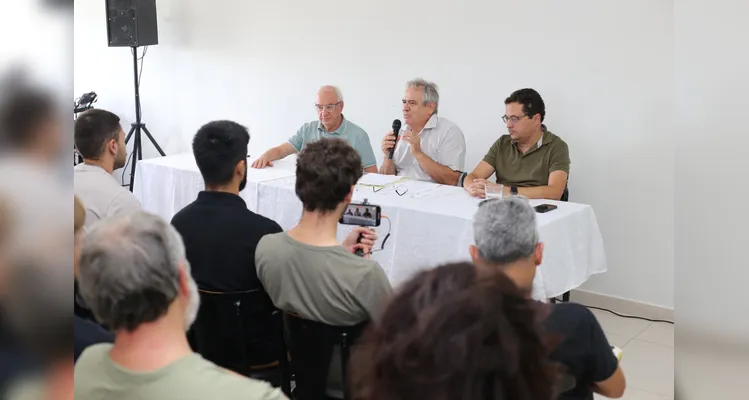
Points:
(389, 141)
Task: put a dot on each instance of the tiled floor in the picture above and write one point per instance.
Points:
(648, 360)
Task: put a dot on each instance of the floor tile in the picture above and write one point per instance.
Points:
(649, 367)
(627, 327)
(617, 340)
(658, 333)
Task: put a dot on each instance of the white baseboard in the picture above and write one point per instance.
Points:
(622, 306)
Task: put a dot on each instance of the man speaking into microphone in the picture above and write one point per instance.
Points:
(428, 147)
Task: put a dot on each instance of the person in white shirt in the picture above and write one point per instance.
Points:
(101, 142)
(429, 147)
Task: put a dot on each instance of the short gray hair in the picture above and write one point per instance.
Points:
(337, 91)
(129, 269)
(505, 230)
(430, 94)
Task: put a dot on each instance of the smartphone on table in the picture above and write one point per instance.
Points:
(544, 208)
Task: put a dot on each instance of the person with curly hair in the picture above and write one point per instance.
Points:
(452, 333)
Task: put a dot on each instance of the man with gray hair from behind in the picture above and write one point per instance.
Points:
(134, 276)
(507, 240)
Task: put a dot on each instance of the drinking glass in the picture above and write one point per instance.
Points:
(493, 191)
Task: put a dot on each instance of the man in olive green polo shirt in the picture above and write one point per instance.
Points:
(330, 124)
(530, 160)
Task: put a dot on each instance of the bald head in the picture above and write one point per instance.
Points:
(329, 90)
(329, 105)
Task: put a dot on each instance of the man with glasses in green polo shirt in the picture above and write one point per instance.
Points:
(331, 124)
(530, 160)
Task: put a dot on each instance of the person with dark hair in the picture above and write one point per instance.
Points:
(452, 333)
(219, 231)
(305, 270)
(529, 160)
(29, 123)
(134, 275)
(507, 241)
(101, 142)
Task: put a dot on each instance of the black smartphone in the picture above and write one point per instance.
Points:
(544, 208)
(361, 215)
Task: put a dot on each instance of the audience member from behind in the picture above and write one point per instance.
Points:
(330, 124)
(31, 138)
(101, 141)
(507, 240)
(306, 270)
(134, 276)
(85, 333)
(452, 334)
(529, 160)
(219, 231)
(221, 234)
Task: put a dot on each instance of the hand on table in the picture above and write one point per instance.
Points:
(262, 162)
(477, 188)
(367, 242)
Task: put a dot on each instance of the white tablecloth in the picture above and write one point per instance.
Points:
(431, 224)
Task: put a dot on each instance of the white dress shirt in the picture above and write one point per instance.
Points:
(441, 140)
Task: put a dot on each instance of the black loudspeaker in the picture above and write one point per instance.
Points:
(132, 23)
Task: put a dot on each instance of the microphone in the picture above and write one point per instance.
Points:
(396, 129)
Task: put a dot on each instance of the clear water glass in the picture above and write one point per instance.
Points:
(493, 191)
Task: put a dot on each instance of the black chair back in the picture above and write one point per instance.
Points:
(242, 332)
(565, 195)
(311, 346)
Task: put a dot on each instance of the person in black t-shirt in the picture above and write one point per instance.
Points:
(221, 235)
(219, 232)
(507, 239)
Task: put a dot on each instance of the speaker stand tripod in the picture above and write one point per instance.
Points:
(138, 127)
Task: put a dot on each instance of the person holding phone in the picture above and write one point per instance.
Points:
(306, 270)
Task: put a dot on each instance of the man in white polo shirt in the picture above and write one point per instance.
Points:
(101, 141)
(429, 147)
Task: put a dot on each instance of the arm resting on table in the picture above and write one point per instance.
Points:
(553, 191)
(282, 151)
(438, 172)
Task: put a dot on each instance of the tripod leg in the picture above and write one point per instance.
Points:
(127, 138)
(137, 154)
(153, 141)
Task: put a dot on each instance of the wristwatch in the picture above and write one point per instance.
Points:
(514, 190)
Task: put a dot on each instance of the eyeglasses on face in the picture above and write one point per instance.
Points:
(327, 107)
(513, 118)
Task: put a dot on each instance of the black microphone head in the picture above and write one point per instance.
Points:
(396, 126)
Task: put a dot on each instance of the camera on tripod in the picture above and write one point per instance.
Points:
(85, 102)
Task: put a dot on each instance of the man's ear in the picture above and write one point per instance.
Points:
(350, 195)
(113, 147)
(183, 286)
(538, 254)
(474, 254)
(239, 168)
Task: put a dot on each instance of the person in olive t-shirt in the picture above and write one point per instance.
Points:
(530, 160)
(134, 276)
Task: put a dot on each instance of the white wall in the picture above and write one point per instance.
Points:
(603, 68)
